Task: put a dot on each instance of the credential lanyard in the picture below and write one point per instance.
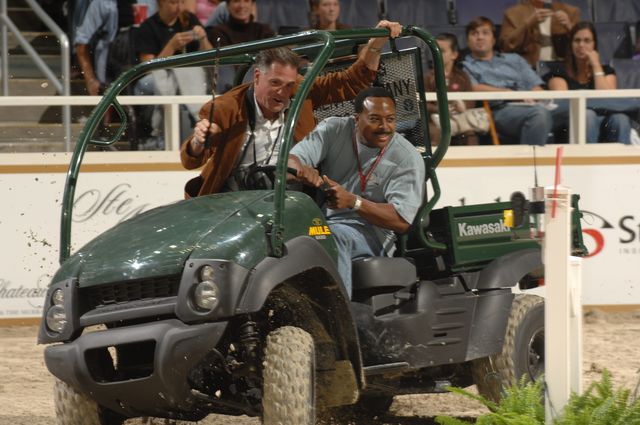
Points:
(364, 177)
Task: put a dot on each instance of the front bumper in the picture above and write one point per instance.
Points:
(173, 349)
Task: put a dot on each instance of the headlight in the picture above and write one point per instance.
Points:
(206, 295)
(57, 298)
(56, 318)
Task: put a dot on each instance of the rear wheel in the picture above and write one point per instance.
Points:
(289, 378)
(522, 352)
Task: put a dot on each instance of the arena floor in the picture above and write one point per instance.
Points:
(611, 341)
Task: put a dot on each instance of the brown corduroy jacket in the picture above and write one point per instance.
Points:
(517, 37)
(230, 113)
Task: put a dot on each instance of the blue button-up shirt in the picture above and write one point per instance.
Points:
(505, 70)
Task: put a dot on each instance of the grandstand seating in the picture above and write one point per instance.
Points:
(616, 10)
(614, 40)
(284, 14)
(470, 9)
(421, 13)
(359, 13)
(627, 72)
(585, 7)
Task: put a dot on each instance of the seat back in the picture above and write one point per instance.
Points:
(585, 7)
(627, 72)
(284, 13)
(492, 9)
(616, 11)
(614, 40)
(420, 13)
(360, 13)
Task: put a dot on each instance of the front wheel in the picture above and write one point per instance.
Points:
(522, 352)
(289, 378)
(75, 408)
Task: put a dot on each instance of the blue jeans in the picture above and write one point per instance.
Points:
(530, 124)
(354, 240)
(615, 127)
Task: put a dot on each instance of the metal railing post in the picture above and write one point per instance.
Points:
(4, 46)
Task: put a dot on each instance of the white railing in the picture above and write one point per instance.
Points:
(577, 105)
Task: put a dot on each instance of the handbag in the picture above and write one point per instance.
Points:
(475, 119)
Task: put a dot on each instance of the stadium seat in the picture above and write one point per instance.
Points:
(616, 11)
(628, 73)
(422, 13)
(614, 40)
(545, 67)
(585, 7)
(284, 14)
(458, 30)
(359, 13)
(492, 9)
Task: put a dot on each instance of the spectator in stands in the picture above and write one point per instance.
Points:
(205, 8)
(239, 143)
(583, 70)
(221, 15)
(526, 121)
(538, 29)
(170, 31)
(241, 26)
(98, 28)
(457, 80)
(325, 15)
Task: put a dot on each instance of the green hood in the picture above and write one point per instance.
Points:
(159, 241)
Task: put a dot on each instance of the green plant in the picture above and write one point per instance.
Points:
(523, 404)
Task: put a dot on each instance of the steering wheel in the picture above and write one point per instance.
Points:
(262, 177)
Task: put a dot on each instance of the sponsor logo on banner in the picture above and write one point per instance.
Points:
(626, 231)
(116, 202)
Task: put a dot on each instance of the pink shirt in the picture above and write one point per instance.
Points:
(204, 8)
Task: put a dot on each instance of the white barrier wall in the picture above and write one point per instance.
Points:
(114, 186)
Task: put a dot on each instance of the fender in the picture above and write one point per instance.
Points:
(507, 270)
(306, 254)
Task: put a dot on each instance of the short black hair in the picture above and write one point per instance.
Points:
(451, 38)
(374, 91)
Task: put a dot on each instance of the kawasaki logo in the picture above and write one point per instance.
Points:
(481, 229)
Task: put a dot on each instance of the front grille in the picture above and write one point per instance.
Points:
(133, 290)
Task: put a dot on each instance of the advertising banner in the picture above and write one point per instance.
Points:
(110, 192)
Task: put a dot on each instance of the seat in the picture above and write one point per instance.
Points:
(284, 14)
(614, 40)
(585, 7)
(616, 11)
(420, 13)
(628, 73)
(383, 272)
(360, 13)
(492, 9)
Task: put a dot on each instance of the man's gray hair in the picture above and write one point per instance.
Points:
(281, 55)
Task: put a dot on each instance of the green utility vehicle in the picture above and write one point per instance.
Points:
(231, 303)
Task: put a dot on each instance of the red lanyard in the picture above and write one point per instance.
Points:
(365, 177)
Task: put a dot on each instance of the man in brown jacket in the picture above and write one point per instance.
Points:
(538, 30)
(248, 120)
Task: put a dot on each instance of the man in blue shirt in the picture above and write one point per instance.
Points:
(373, 177)
(526, 121)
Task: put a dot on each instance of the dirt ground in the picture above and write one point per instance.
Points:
(611, 341)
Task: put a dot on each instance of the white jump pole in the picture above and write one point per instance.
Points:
(562, 304)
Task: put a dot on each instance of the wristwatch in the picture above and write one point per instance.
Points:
(358, 204)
